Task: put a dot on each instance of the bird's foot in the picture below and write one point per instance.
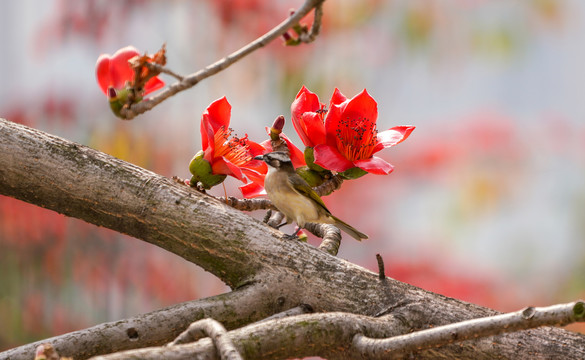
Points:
(290, 237)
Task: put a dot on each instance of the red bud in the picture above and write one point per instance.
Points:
(276, 128)
(112, 93)
(278, 123)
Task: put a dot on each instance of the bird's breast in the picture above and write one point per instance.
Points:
(292, 204)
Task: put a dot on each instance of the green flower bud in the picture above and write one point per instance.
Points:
(119, 98)
(313, 178)
(310, 160)
(202, 173)
(353, 173)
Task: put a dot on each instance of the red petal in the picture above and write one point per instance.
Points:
(337, 98)
(255, 165)
(252, 190)
(120, 70)
(215, 116)
(267, 144)
(256, 176)
(219, 114)
(296, 155)
(393, 136)
(255, 148)
(328, 157)
(223, 166)
(102, 72)
(153, 84)
(361, 105)
(374, 165)
(305, 102)
(207, 137)
(332, 124)
(314, 128)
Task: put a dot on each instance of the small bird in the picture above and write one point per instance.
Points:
(292, 196)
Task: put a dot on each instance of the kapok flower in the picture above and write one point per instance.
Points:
(352, 137)
(307, 118)
(115, 72)
(223, 154)
(119, 81)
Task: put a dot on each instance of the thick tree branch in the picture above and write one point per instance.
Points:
(191, 80)
(77, 181)
(156, 328)
(329, 334)
(343, 335)
(529, 318)
(100, 189)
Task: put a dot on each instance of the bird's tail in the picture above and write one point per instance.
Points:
(350, 230)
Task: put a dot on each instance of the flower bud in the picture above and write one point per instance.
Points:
(202, 172)
(112, 93)
(312, 178)
(353, 173)
(118, 98)
(310, 160)
(276, 128)
(289, 40)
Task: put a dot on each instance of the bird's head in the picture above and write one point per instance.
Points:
(276, 159)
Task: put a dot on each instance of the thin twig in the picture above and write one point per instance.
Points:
(161, 69)
(213, 329)
(330, 234)
(381, 272)
(191, 80)
(275, 219)
(531, 317)
(329, 186)
(267, 216)
(315, 28)
(246, 204)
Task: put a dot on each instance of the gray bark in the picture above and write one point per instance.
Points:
(243, 252)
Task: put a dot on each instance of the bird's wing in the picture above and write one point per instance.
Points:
(301, 186)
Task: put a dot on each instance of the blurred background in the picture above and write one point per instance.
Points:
(487, 200)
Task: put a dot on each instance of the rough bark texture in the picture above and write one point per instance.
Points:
(246, 254)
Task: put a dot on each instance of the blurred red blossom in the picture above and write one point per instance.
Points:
(115, 72)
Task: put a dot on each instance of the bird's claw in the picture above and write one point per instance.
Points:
(290, 237)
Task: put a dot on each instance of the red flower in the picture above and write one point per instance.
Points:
(114, 71)
(352, 137)
(307, 117)
(227, 156)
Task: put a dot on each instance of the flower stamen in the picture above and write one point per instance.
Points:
(236, 150)
(356, 137)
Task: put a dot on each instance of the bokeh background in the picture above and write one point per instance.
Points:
(487, 200)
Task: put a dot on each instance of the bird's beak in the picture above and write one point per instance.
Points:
(259, 157)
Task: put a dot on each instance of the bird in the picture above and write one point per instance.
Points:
(293, 196)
